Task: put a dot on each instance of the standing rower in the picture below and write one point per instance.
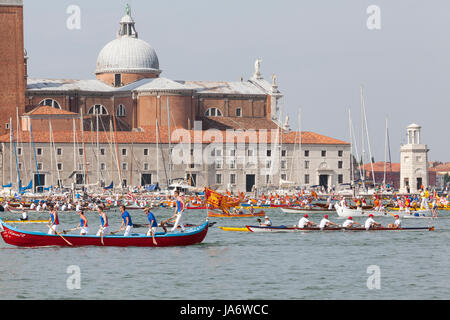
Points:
(83, 225)
(104, 226)
(126, 221)
(53, 222)
(153, 224)
(179, 209)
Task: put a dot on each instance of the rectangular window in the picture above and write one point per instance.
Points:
(340, 153)
(218, 178)
(283, 177)
(232, 164)
(124, 183)
(7, 126)
(102, 151)
(306, 153)
(238, 112)
(269, 153)
(146, 166)
(19, 151)
(306, 178)
(59, 151)
(306, 164)
(283, 153)
(250, 152)
(102, 166)
(124, 166)
(267, 179)
(39, 151)
(59, 166)
(340, 163)
(340, 178)
(117, 80)
(268, 164)
(232, 153)
(39, 166)
(124, 152)
(20, 166)
(80, 151)
(324, 153)
(232, 178)
(218, 164)
(145, 152)
(283, 164)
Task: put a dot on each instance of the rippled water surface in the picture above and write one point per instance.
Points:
(234, 265)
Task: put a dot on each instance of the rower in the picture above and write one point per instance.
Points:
(397, 223)
(325, 223)
(179, 210)
(305, 223)
(126, 221)
(348, 224)
(83, 225)
(53, 222)
(370, 223)
(153, 224)
(266, 223)
(104, 226)
(24, 216)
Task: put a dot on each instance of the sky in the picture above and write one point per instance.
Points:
(322, 52)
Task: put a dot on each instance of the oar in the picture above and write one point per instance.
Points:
(59, 234)
(114, 232)
(70, 230)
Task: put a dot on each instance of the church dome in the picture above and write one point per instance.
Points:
(127, 53)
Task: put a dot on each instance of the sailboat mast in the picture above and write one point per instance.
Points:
(351, 146)
(170, 146)
(385, 151)
(299, 146)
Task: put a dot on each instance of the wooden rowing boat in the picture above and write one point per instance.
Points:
(20, 238)
(258, 229)
(243, 215)
(244, 229)
(305, 210)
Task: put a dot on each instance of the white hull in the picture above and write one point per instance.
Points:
(285, 210)
(346, 212)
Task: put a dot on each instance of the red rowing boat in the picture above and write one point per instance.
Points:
(20, 238)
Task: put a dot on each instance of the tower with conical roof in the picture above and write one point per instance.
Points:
(413, 162)
(127, 58)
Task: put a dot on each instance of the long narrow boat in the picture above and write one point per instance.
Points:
(305, 210)
(20, 238)
(243, 215)
(258, 229)
(235, 229)
(346, 212)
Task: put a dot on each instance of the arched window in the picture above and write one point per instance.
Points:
(50, 103)
(98, 109)
(213, 112)
(121, 111)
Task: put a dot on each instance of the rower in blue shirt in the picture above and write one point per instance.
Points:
(153, 224)
(126, 221)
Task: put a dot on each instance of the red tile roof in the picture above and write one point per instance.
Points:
(148, 135)
(46, 110)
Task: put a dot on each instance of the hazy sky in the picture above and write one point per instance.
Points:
(320, 50)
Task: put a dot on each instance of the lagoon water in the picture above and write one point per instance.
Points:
(235, 265)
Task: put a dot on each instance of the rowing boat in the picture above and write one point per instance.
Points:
(245, 229)
(20, 238)
(258, 229)
(243, 215)
(346, 212)
(305, 210)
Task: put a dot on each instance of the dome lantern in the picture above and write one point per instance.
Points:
(127, 58)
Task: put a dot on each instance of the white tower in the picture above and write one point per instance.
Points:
(413, 162)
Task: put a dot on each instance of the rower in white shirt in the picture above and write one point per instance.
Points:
(371, 223)
(397, 223)
(305, 223)
(325, 223)
(349, 223)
